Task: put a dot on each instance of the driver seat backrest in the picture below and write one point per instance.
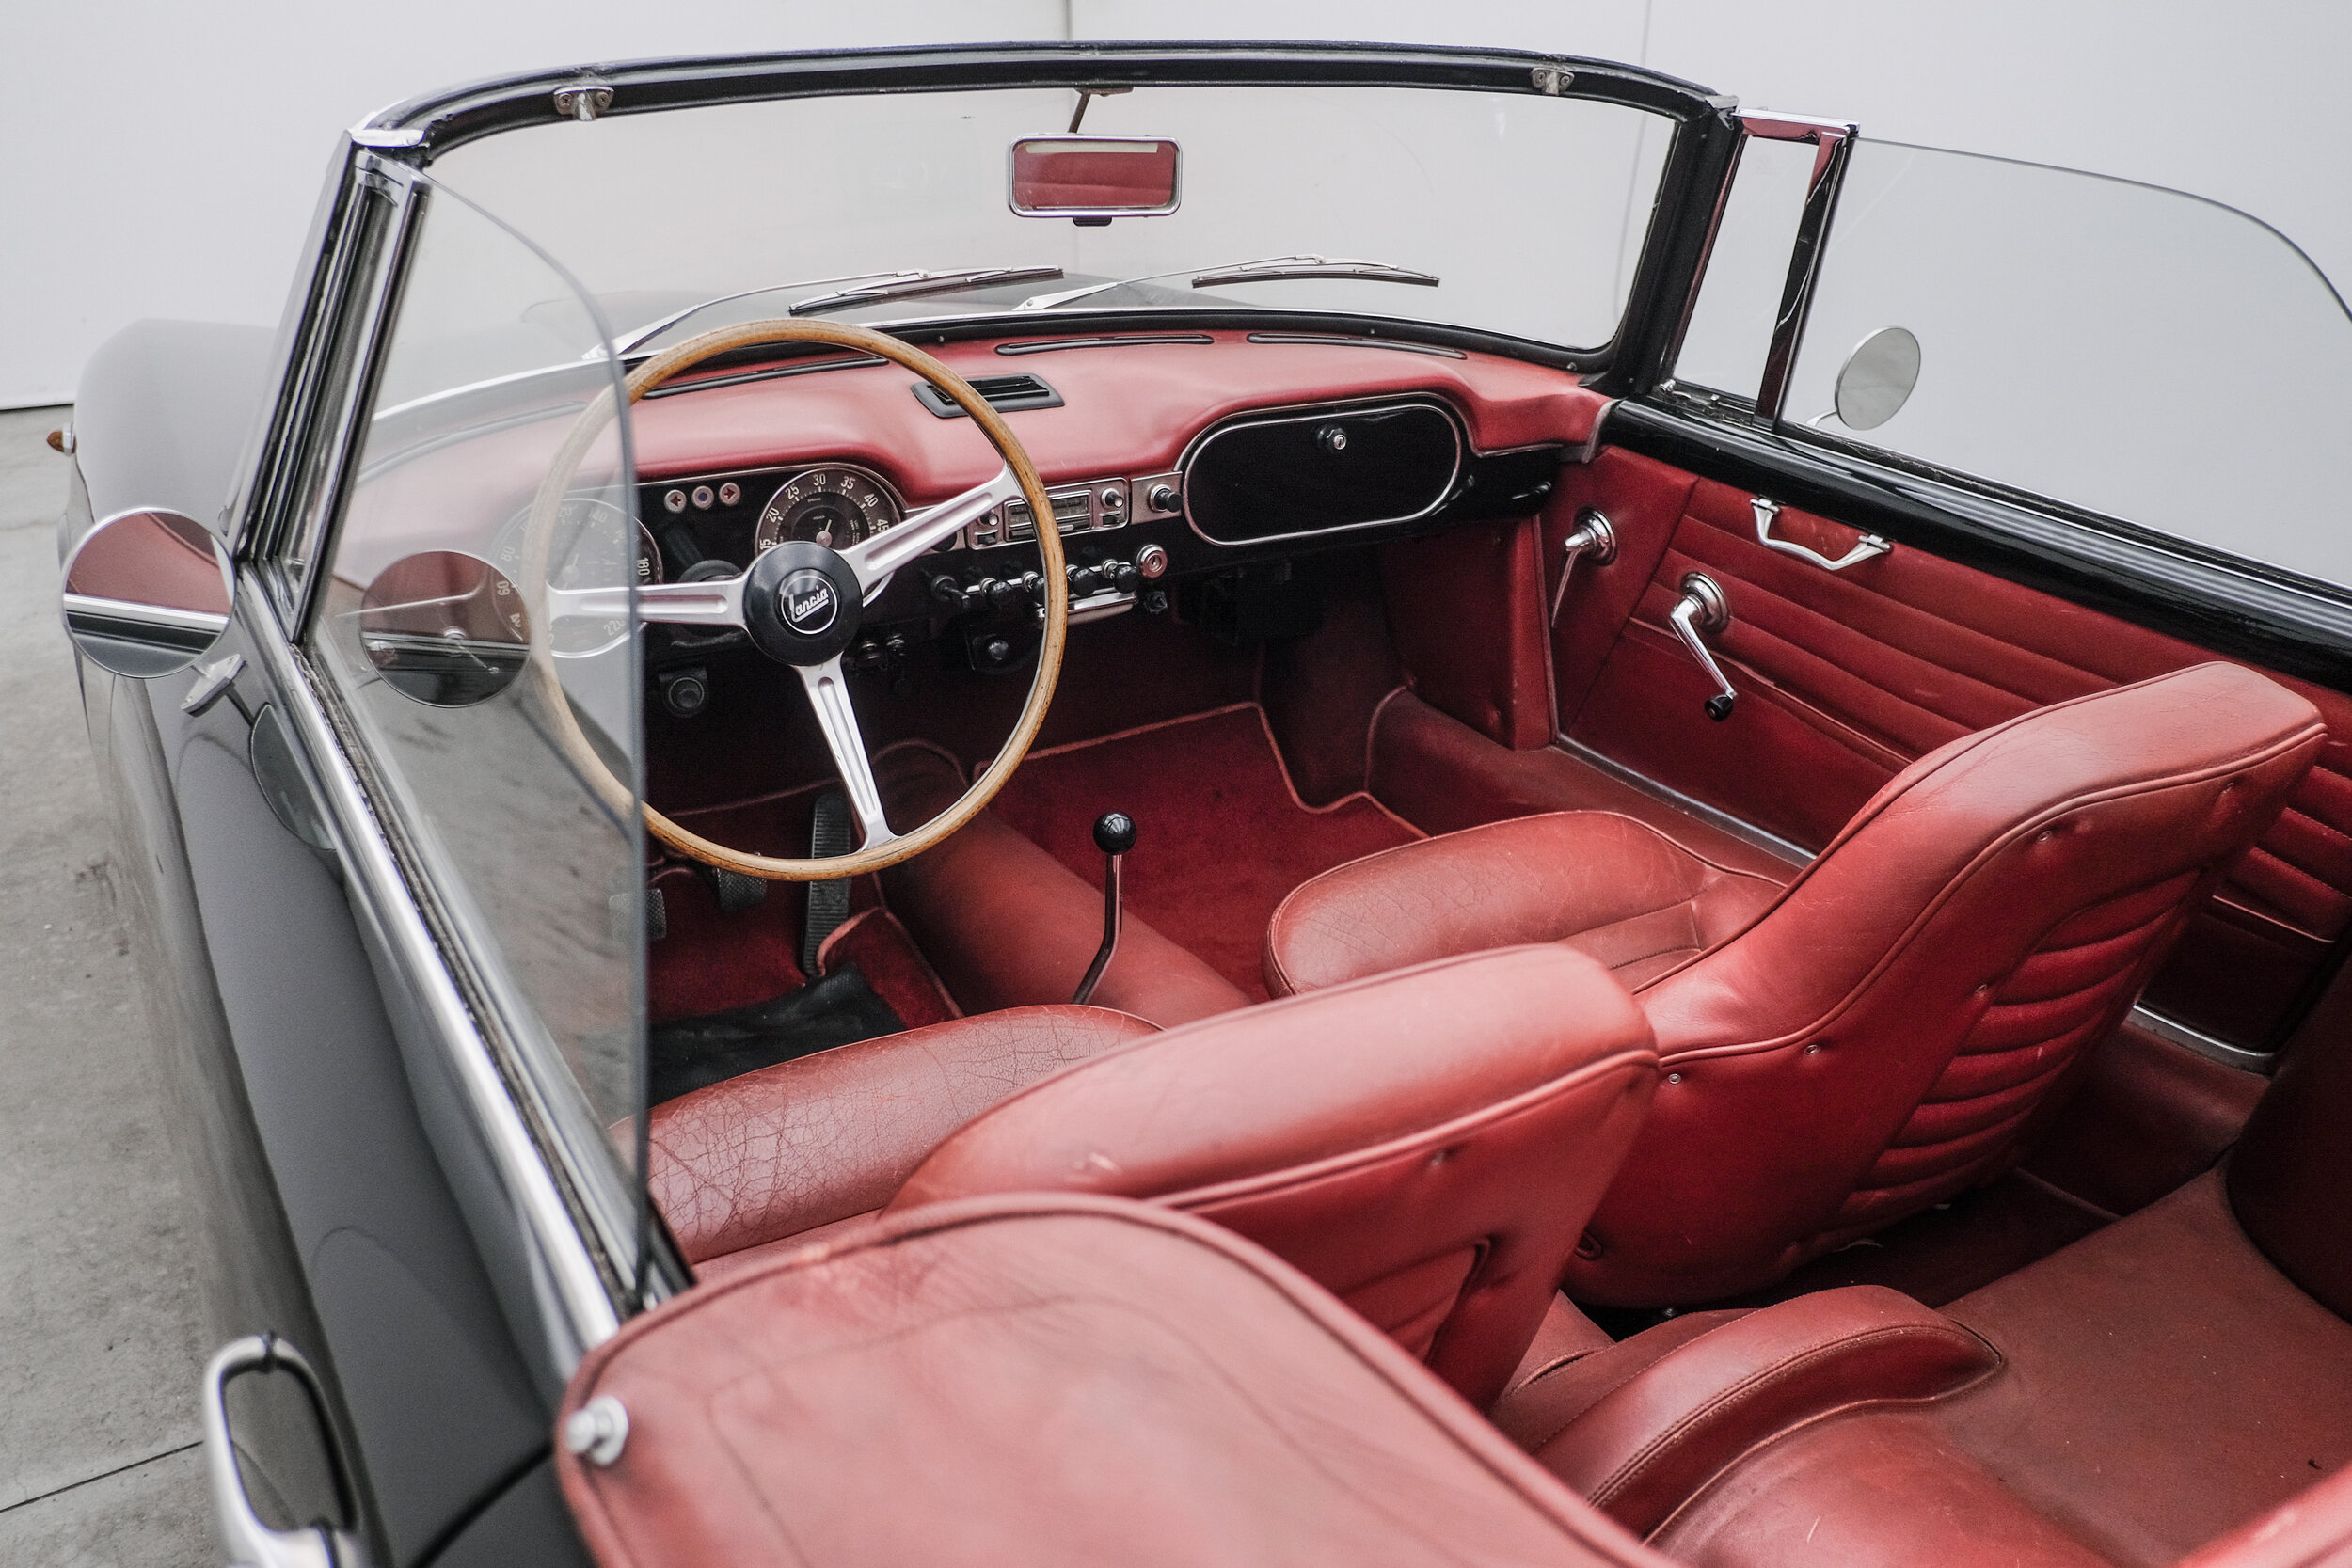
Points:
(1886, 1033)
(1426, 1144)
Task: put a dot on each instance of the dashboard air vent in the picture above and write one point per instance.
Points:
(1004, 393)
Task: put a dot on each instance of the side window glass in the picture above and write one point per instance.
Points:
(474, 618)
(2130, 350)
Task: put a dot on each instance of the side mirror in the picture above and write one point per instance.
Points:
(1093, 179)
(445, 628)
(1876, 380)
(148, 593)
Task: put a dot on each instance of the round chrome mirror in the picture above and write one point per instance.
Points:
(148, 593)
(1877, 378)
(445, 627)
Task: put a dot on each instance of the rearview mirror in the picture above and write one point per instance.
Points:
(1093, 179)
(148, 593)
(444, 628)
(1876, 380)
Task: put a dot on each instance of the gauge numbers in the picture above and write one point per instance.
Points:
(835, 506)
(591, 548)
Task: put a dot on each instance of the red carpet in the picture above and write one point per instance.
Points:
(1222, 837)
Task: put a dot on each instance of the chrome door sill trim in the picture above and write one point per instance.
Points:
(1772, 845)
(2198, 1040)
(577, 1281)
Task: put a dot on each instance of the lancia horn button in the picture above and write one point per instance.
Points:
(808, 602)
(800, 603)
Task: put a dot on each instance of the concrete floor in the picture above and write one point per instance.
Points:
(99, 1352)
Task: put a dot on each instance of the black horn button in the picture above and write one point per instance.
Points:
(800, 603)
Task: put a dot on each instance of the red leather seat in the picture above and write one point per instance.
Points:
(1006, 925)
(1879, 1034)
(1427, 1145)
(766, 1162)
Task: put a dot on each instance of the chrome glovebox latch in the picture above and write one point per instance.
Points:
(1702, 608)
(1868, 547)
(1592, 536)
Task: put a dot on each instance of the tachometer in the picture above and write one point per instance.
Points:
(835, 506)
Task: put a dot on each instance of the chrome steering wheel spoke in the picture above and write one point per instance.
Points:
(828, 694)
(874, 560)
(715, 603)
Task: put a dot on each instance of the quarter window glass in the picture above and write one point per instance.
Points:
(500, 728)
(1730, 330)
(2130, 350)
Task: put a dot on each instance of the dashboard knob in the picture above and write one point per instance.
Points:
(1114, 499)
(1004, 596)
(1084, 580)
(948, 590)
(1151, 560)
(1163, 498)
(1123, 576)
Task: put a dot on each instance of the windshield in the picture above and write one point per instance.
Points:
(1530, 212)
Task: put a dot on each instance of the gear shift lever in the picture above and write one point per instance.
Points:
(1114, 835)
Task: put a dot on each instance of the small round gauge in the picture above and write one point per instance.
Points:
(835, 506)
(591, 548)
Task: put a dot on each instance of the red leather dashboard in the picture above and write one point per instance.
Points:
(1127, 408)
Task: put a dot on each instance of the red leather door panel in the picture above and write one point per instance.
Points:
(1845, 677)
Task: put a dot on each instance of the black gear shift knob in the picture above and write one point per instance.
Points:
(1114, 832)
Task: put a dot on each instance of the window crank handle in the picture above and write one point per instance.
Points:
(1702, 608)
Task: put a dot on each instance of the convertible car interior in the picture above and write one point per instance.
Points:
(1748, 1116)
(1300, 910)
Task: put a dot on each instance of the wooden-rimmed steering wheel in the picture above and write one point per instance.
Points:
(800, 603)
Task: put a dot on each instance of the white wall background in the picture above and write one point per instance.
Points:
(163, 159)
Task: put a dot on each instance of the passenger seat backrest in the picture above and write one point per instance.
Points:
(1426, 1144)
(1886, 1033)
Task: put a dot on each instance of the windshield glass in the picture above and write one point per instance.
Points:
(2133, 350)
(1529, 211)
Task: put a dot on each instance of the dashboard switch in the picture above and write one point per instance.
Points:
(1004, 596)
(1151, 560)
(1123, 576)
(1084, 580)
(1163, 498)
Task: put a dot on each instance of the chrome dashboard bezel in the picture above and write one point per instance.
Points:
(1300, 413)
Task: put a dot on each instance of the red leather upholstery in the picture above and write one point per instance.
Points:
(772, 1154)
(1048, 1380)
(1007, 925)
(1883, 1035)
(2291, 1175)
(1846, 677)
(1643, 1446)
(1427, 1144)
(1605, 885)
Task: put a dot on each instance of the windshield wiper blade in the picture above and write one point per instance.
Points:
(1268, 269)
(912, 285)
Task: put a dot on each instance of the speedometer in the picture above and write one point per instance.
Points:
(835, 506)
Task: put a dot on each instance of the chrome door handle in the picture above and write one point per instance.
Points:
(1702, 608)
(1868, 545)
(1593, 537)
(252, 1544)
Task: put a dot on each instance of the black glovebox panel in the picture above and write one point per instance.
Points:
(1261, 477)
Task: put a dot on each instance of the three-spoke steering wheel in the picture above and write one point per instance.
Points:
(800, 603)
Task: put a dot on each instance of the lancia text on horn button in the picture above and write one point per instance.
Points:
(809, 602)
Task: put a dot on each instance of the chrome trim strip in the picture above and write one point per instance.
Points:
(2144, 1017)
(1300, 415)
(1779, 849)
(1344, 339)
(571, 1269)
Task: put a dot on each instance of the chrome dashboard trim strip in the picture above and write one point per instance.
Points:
(1117, 339)
(1343, 339)
(578, 1284)
(1772, 844)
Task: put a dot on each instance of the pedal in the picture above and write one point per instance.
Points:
(735, 891)
(828, 901)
